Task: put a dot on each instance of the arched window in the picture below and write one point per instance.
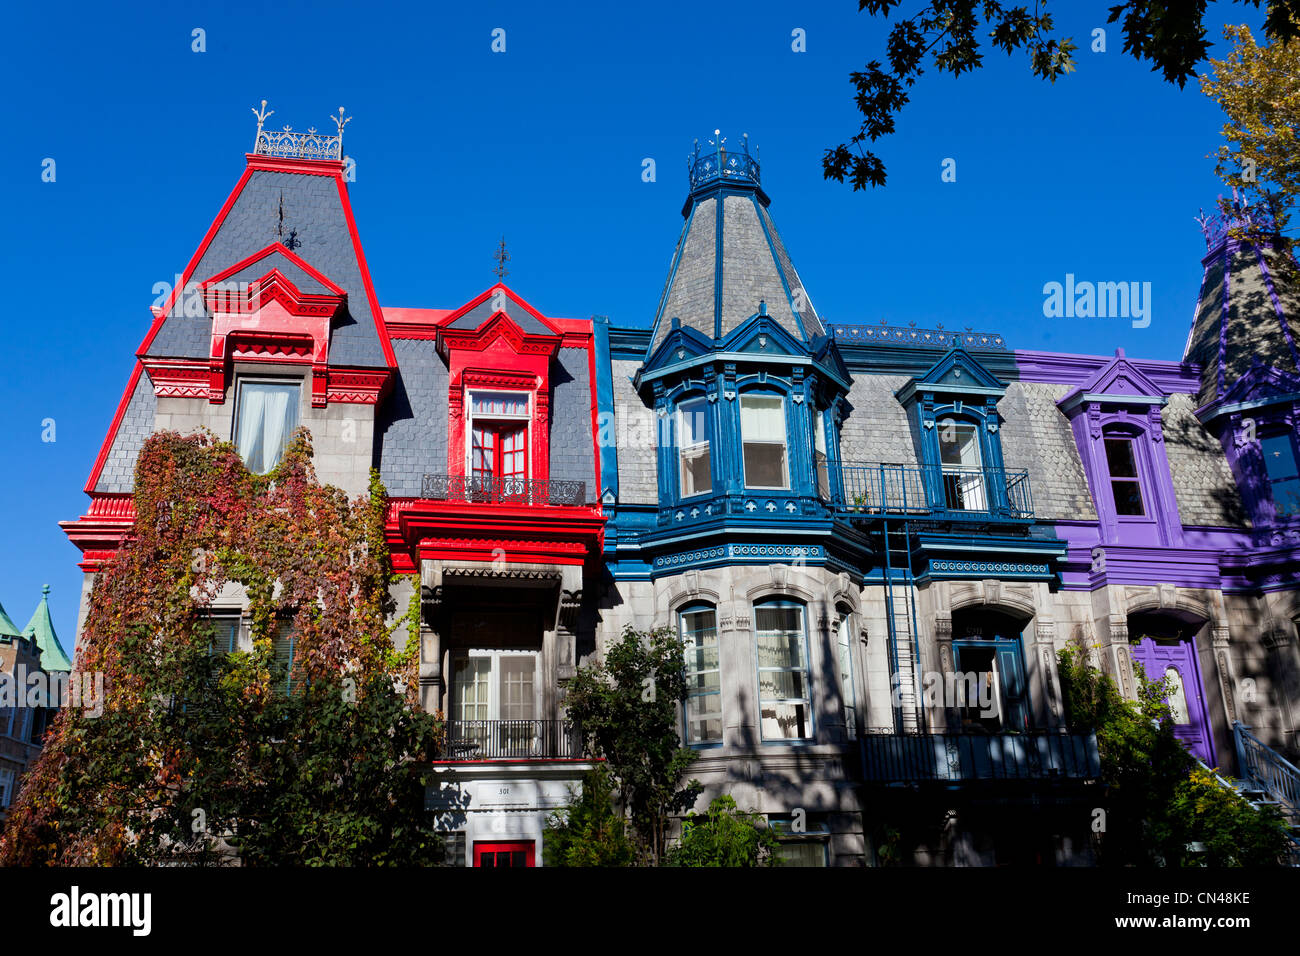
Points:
(1125, 474)
(698, 626)
(781, 652)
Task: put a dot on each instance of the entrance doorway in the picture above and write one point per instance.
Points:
(1165, 646)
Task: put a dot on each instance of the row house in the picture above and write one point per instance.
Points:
(872, 540)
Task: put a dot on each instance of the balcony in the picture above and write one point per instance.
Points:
(509, 491)
(472, 740)
(933, 491)
(957, 758)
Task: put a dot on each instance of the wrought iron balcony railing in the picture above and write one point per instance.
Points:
(938, 491)
(902, 758)
(511, 491)
(513, 740)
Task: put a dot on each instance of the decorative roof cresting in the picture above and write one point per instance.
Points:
(719, 163)
(1239, 217)
(290, 145)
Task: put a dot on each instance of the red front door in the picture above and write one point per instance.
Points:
(504, 854)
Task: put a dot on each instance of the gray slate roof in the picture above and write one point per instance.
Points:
(754, 267)
(118, 473)
(314, 210)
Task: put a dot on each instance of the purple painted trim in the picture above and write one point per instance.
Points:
(1062, 368)
(1277, 305)
(1228, 247)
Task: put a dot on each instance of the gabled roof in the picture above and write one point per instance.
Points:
(1116, 382)
(41, 629)
(298, 203)
(957, 373)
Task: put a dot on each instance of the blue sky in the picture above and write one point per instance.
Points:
(1099, 176)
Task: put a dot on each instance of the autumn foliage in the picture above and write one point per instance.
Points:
(207, 757)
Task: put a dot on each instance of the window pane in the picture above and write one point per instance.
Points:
(469, 688)
(762, 418)
(1128, 498)
(764, 465)
(1286, 496)
(697, 474)
(959, 444)
(781, 685)
(785, 721)
(1279, 457)
(693, 422)
(802, 853)
(1119, 458)
(703, 678)
(266, 416)
(517, 697)
(499, 403)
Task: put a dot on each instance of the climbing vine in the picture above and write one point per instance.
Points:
(304, 747)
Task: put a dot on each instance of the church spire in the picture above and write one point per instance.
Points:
(41, 629)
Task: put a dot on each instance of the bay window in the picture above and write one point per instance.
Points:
(266, 413)
(763, 436)
(781, 652)
(703, 705)
(693, 454)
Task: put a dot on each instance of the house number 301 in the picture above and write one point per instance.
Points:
(503, 791)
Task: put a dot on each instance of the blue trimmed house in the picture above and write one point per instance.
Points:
(875, 540)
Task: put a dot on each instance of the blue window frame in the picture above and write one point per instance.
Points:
(781, 654)
(225, 633)
(764, 441)
(1283, 471)
(702, 709)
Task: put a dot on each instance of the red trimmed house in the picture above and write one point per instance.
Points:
(481, 421)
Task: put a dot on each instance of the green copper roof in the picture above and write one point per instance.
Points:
(42, 629)
(7, 626)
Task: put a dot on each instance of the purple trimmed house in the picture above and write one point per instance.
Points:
(875, 540)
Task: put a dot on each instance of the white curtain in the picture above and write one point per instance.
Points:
(762, 419)
(267, 416)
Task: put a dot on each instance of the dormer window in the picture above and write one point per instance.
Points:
(1125, 482)
(1283, 472)
(763, 436)
(693, 451)
(265, 415)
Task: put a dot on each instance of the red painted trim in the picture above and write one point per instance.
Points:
(112, 429)
(380, 328)
(420, 324)
(527, 847)
(595, 431)
(284, 164)
(161, 317)
(280, 248)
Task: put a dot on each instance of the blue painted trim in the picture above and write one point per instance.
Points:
(605, 407)
(718, 215)
(771, 247)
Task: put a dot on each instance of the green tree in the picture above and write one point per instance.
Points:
(724, 836)
(1258, 87)
(1169, 35)
(1156, 799)
(590, 831)
(197, 753)
(626, 706)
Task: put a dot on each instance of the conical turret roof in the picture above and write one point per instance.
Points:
(41, 629)
(1248, 312)
(730, 256)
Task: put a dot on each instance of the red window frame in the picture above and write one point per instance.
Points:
(505, 442)
(526, 847)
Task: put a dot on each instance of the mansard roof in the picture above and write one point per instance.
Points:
(730, 256)
(301, 205)
(1248, 310)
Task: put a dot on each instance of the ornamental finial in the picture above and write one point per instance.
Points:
(502, 257)
(261, 118)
